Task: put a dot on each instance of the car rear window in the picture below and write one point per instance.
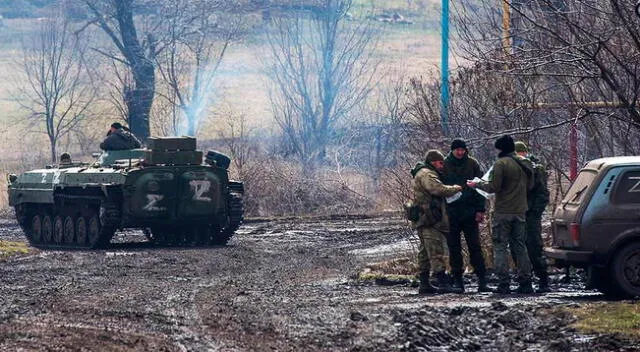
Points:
(579, 188)
(628, 188)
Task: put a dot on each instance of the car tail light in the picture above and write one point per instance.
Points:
(574, 229)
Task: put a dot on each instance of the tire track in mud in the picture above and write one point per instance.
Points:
(184, 316)
(280, 285)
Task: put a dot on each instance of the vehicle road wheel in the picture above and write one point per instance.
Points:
(58, 229)
(626, 269)
(36, 228)
(69, 230)
(93, 231)
(47, 229)
(81, 231)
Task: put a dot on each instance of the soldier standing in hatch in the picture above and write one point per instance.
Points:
(464, 215)
(65, 159)
(429, 193)
(537, 199)
(509, 181)
(120, 138)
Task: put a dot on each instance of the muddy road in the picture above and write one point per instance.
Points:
(279, 285)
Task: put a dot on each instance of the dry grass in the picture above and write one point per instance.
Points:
(609, 318)
(11, 249)
(277, 187)
(397, 270)
(398, 266)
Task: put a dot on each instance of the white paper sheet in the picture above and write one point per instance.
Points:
(478, 180)
(453, 198)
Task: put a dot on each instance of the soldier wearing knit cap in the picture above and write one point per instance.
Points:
(509, 181)
(464, 215)
(120, 137)
(537, 200)
(429, 193)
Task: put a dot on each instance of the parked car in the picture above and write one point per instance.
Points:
(597, 225)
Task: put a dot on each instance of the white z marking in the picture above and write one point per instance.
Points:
(152, 201)
(56, 177)
(199, 188)
(44, 177)
(636, 187)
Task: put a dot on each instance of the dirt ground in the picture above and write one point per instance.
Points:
(280, 285)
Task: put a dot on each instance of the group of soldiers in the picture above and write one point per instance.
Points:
(447, 204)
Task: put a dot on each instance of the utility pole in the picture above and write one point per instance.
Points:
(573, 154)
(506, 27)
(444, 86)
(573, 146)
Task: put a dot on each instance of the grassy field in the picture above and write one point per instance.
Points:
(610, 318)
(11, 249)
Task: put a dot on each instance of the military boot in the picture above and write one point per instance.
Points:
(444, 283)
(482, 284)
(503, 288)
(525, 287)
(543, 285)
(425, 287)
(458, 283)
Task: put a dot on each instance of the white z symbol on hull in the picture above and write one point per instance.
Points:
(199, 188)
(152, 201)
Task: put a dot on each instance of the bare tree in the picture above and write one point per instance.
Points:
(116, 19)
(581, 54)
(237, 138)
(322, 69)
(189, 64)
(57, 90)
(140, 30)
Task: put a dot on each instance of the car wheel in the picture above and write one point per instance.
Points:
(603, 282)
(626, 269)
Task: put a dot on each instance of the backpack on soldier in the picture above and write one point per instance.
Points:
(539, 196)
(531, 182)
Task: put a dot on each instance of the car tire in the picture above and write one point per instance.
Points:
(604, 283)
(625, 269)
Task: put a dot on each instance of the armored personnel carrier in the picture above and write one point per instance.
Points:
(165, 189)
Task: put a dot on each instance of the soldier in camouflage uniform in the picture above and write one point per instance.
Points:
(509, 180)
(464, 215)
(433, 224)
(537, 198)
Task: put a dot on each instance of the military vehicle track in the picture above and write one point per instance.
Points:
(90, 223)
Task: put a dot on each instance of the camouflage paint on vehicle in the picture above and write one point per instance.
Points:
(168, 192)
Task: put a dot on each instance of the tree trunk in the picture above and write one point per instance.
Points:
(140, 97)
(53, 150)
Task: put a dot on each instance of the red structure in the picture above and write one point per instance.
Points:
(573, 152)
